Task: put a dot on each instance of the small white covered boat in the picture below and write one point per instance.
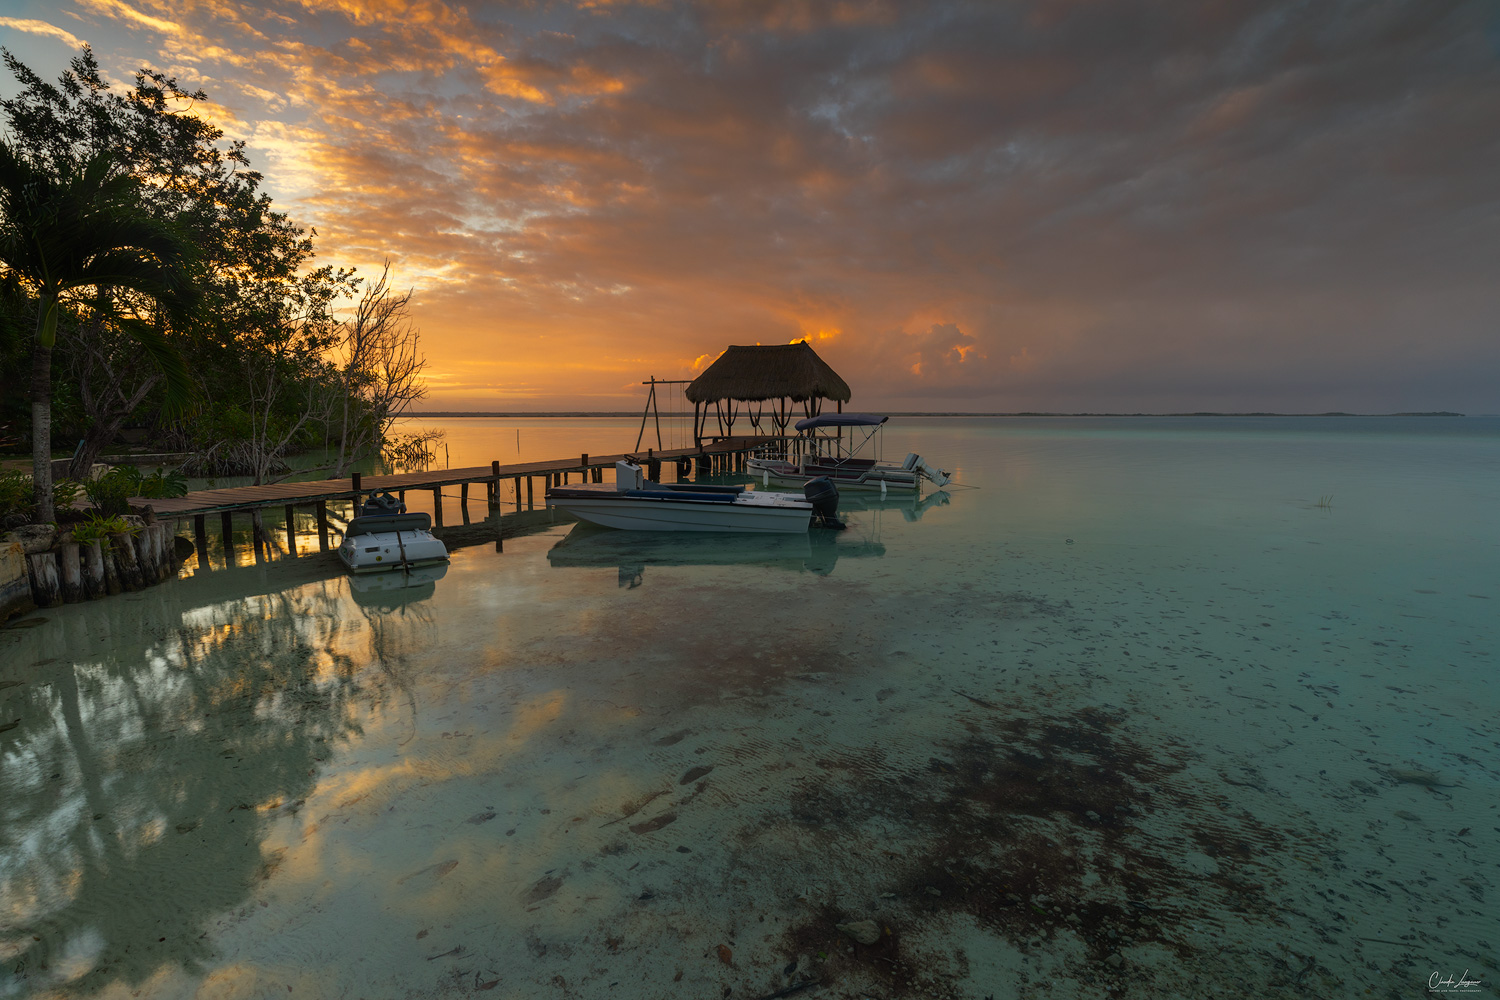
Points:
(385, 537)
(852, 464)
(636, 505)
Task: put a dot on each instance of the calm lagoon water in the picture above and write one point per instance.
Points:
(1147, 708)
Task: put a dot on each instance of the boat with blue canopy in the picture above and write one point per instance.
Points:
(849, 457)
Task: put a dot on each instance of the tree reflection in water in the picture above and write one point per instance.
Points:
(141, 782)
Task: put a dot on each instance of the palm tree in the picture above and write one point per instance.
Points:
(74, 234)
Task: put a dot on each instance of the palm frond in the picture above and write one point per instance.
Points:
(181, 392)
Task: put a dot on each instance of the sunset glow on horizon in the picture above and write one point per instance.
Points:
(1048, 205)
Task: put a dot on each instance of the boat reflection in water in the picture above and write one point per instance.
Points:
(816, 552)
(632, 551)
(393, 589)
(911, 508)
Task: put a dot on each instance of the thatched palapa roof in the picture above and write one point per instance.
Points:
(774, 371)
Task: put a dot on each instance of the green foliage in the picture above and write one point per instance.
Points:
(65, 492)
(111, 492)
(15, 494)
(17, 499)
(96, 526)
(163, 484)
(258, 353)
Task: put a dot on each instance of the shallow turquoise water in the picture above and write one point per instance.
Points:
(1150, 704)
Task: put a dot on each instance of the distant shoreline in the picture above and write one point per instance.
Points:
(943, 413)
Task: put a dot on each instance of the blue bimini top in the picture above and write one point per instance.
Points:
(840, 420)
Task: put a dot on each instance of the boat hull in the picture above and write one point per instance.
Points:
(753, 513)
(865, 480)
(377, 552)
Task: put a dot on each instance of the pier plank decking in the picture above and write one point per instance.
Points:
(245, 498)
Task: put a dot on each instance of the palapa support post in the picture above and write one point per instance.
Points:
(226, 521)
(437, 506)
(291, 530)
(518, 493)
(401, 495)
(530, 501)
(322, 525)
(495, 485)
(354, 482)
(463, 500)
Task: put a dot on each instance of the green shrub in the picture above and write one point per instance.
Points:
(97, 525)
(65, 492)
(15, 494)
(111, 492)
(163, 484)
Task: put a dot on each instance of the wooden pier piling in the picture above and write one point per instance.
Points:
(126, 564)
(258, 535)
(70, 572)
(46, 588)
(91, 559)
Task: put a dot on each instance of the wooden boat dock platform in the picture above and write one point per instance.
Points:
(723, 455)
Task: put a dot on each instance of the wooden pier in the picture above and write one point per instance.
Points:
(718, 456)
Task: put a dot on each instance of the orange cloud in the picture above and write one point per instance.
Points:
(950, 201)
(34, 27)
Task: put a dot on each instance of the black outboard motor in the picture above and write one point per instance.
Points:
(824, 496)
(383, 503)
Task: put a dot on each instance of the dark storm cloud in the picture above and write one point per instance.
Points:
(1060, 204)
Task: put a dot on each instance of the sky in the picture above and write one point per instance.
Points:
(1039, 205)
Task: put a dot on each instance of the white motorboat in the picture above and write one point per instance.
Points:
(385, 537)
(637, 505)
(817, 455)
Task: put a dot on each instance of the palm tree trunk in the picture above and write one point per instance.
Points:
(41, 427)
